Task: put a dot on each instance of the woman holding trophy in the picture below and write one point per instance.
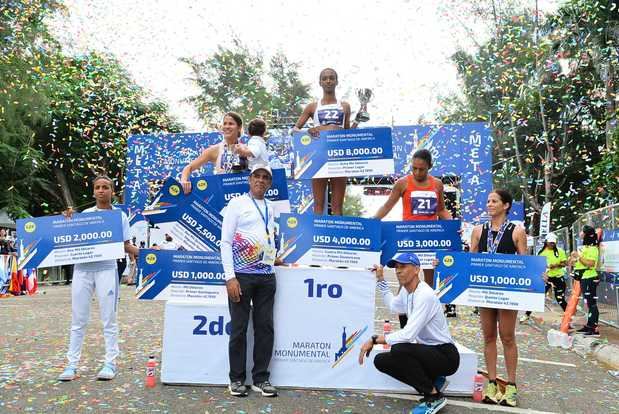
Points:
(223, 155)
(327, 113)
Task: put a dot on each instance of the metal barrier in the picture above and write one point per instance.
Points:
(606, 218)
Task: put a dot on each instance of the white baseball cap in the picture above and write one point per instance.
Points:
(551, 238)
(264, 167)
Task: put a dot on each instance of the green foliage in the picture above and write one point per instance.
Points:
(235, 79)
(94, 107)
(62, 119)
(605, 174)
(353, 205)
(24, 42)
(543, 96)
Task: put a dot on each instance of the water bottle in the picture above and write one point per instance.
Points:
(386, 330)
(150, 372)
(478, 387)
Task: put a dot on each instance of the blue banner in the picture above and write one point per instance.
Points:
(181, 276)
(421, 237)
(153, 158)
(192, 223)
(343, 153)
(462, 150)
(499, 281)
(329, 240)
(56, 240)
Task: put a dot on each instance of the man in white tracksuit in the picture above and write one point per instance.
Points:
(102, 278)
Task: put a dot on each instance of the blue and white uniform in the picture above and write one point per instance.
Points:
(102, 278)
(331, 114)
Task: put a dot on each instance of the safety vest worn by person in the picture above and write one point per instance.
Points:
(420, 202)
(552, 259)
(590, 253)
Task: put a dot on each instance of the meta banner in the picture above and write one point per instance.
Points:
(423, 237)
(329, 240)
(83, 238)
(192, 223)
(499, 281)
(218, 190)
(193, 277)
(459, 150)
(343, 153)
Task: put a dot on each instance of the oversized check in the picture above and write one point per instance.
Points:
(191, 222)
(184, 276)
(423, 237)
(500, 281)
(329, 240)
(343, 153)
(218, 190)
(56, 240)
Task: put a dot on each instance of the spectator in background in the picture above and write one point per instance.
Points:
(4, 246)
(585, 262)
(169, 243)
(556, 261)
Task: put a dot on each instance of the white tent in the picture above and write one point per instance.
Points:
(6, 221)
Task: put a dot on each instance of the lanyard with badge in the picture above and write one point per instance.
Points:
(492, 245)
(268, 257)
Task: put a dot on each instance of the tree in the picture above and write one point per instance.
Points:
(62, 119)
(24, 46)
(548, 125)
(353, 206)
(94, 107)
(235, 79)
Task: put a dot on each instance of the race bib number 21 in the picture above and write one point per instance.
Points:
(423, 202)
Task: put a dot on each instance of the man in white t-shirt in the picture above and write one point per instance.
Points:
(256, 148)
(422, 354)
(101, 278)
(248, 256)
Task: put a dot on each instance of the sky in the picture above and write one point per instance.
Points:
(400, 49)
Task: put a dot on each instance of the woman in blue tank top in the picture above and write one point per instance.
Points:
(327, 113)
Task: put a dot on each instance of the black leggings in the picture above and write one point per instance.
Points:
(589, 290)
(419, 365)
(558, 285)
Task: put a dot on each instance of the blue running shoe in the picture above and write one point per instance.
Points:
(430, 407)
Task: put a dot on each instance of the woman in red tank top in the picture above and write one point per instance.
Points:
(421, 194)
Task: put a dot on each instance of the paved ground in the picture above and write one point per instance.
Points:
(35, 333)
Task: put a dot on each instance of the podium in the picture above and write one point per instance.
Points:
(317, 337)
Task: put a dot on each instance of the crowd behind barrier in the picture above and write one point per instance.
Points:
(605, 220)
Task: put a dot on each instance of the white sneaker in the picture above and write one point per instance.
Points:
(69, 374)
(108, 372)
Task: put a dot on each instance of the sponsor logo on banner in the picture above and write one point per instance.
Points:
(320, 351)
(347, 344)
